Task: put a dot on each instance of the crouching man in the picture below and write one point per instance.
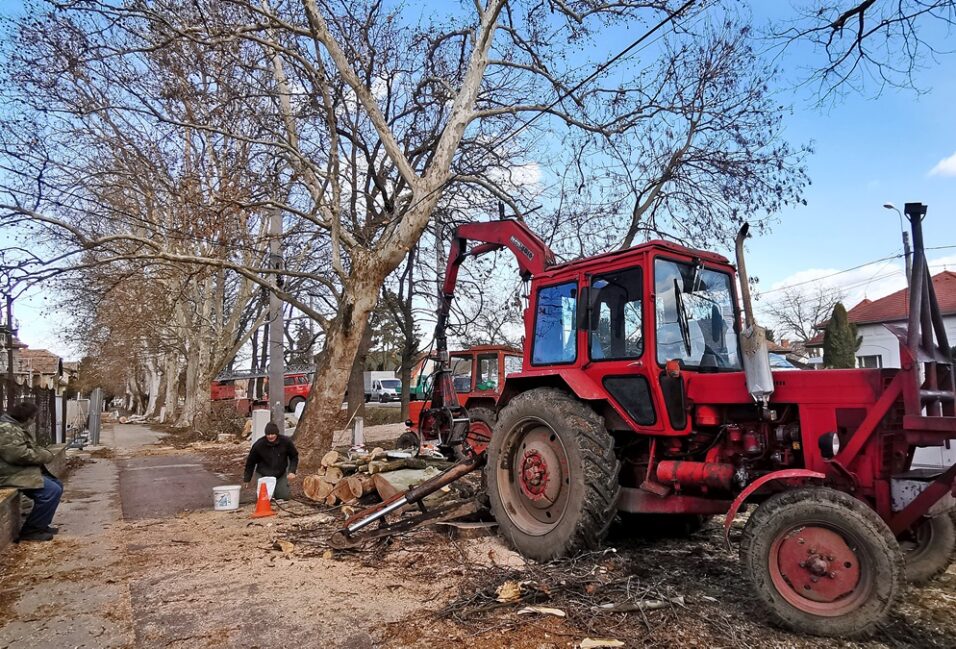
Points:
(273, 455)
(22, 467)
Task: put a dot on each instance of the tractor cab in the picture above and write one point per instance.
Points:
(609, 327)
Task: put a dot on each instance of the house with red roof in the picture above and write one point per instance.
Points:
(880, 348)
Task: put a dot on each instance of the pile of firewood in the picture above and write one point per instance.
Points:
(347, 479)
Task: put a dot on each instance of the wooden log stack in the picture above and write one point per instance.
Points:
(345, 480)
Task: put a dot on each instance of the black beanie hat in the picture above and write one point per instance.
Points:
(272, 429)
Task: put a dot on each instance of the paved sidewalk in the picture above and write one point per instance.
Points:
(57, 606)
(63, 601)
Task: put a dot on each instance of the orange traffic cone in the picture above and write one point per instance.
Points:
(263, 505)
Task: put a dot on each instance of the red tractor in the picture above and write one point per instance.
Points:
(643, 391)
(478, 375)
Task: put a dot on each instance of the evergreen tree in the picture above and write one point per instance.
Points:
(840, 341)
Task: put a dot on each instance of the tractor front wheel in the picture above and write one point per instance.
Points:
(822, 562)
(928, 548)
(552, 475)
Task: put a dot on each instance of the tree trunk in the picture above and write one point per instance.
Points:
(171, 389)
(342, 342)
(154, 379)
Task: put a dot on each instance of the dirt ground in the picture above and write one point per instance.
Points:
(201, 578)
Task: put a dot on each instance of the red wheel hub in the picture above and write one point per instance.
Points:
(817, 570)
(534, 474)
(478, 436)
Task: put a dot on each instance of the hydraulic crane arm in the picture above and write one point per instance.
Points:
(532, 254)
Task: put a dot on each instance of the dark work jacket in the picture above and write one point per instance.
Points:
(271, 459)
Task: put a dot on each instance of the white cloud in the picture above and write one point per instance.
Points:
(945, 167)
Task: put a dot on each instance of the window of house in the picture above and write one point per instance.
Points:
(869, 362)
(616, 320)
(554, 325)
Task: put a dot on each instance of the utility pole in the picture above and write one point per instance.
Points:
(907, 253)
(10, 333)
(276, 329)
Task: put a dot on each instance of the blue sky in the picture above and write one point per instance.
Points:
(867, 151)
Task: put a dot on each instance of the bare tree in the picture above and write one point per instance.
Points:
(875, 43)
(798, 311)
(358, 125)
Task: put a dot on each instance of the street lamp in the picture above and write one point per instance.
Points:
(906, 243)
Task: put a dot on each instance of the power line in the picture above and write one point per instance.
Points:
(839, 272)
(847, 270)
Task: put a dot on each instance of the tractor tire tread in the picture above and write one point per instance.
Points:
(934, 561)
(601, 469)
(845, 507)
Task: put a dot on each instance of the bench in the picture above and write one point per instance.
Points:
(10, 508)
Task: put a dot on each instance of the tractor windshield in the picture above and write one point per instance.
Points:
(694, 309)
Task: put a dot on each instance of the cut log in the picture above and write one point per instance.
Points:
(383, 487)
(360, 485)
(315, 488)
(381, 467)
(333, 475)
(393, 482)
(330, 458)
(342, 491)
(346, 467)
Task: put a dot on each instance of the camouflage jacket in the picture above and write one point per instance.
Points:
(21, 458)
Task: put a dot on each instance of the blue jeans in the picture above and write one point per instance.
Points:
(45, 502)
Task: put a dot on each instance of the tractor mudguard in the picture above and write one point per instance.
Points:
(784, 474)
(576, 382)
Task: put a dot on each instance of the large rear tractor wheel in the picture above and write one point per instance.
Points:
(928, 548)
(822, 562)
(552, 475)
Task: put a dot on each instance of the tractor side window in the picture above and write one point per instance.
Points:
(512, 364)
(694, 309)
(461, 373)
(289, 380)
(554, 325)
(616, 322)
(487, 372)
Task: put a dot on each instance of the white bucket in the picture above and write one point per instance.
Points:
(270, 484)
(226, 498)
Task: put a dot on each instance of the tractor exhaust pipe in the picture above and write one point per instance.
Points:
(753, 337)
(744, 277)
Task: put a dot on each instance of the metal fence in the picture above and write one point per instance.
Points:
(47, 430)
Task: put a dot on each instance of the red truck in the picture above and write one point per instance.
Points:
(241, 388)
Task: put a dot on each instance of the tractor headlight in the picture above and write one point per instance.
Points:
(829, 445)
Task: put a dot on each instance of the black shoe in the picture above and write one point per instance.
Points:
(52, 530)
(35, 535)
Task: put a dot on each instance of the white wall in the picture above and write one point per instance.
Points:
(878, 341)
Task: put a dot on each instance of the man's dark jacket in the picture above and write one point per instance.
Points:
(271, 459)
